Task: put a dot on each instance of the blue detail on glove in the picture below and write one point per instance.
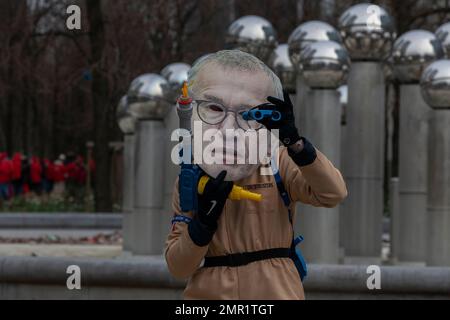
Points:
(183, 219)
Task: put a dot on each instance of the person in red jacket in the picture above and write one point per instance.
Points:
(35, 175)
(17, 173)
(6, 173)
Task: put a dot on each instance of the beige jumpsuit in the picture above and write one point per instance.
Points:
(246, 226)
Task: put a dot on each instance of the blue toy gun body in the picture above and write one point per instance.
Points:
(187, 187)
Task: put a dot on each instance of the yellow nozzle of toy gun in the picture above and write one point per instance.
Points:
(184, 90)
(237, 193)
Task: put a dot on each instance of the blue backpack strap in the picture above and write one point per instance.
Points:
(283, 193)
(281, 189)
(297, 256)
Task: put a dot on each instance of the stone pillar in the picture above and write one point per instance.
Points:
(320, 226)
(362, 211)
(344, 102)
(128, 191)
(413, 136)
(300, 102)
(438, 212)
(395, 226)
(148, 187)
(171, 122)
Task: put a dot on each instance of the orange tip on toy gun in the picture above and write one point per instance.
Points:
(237, 193)
(184, 99)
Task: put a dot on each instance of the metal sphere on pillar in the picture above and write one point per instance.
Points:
(149, 103)
(412, 52)
(443, 34)
(324, 64)
(252, 34)
(148, 97)
(280, 63)
(435, 84)
(176, 74)
(307, 33)
(368, 31)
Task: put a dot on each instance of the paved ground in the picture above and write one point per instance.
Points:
(61, 250)
(61, 233)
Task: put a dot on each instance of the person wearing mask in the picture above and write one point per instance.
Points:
(246, 246)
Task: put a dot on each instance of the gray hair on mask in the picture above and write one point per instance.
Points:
(236, 60)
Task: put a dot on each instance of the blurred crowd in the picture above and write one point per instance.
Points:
(22, 175)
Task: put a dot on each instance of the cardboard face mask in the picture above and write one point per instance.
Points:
(226, 94)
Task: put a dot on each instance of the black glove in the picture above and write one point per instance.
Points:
(288, 131)
(210, 206)
(286, 126)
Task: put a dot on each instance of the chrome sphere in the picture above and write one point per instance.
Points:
(324, 64)
(412, 52)
(309, 32)
(252, 34)
(176, 74)
(148, 97)
(435, 84)
(443, 34)
(368, 31)
(125, 119)
(283, 67)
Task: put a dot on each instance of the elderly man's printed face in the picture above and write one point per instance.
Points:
(235, 90)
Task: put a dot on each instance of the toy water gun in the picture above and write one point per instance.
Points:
(189, 173)
(237, 193)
